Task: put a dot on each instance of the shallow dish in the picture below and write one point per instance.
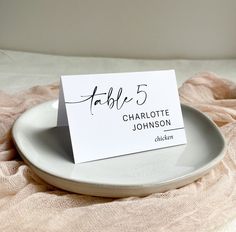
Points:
(47, 150)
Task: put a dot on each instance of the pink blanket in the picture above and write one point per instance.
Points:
(29, 204)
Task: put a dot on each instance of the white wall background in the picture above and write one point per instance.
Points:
(121, 28)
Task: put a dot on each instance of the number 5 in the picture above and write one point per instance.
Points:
(141, 92)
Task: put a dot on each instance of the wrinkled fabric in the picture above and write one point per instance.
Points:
(27, 203)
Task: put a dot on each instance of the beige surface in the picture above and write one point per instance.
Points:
(19, 70)
(28, 204)
(134, 28)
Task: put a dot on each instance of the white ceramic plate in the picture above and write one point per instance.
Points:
(46, 149)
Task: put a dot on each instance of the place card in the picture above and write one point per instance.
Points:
(116, 114)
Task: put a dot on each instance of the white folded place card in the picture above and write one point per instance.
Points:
(120, 113)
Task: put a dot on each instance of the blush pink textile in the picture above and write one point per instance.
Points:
(29, 204)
